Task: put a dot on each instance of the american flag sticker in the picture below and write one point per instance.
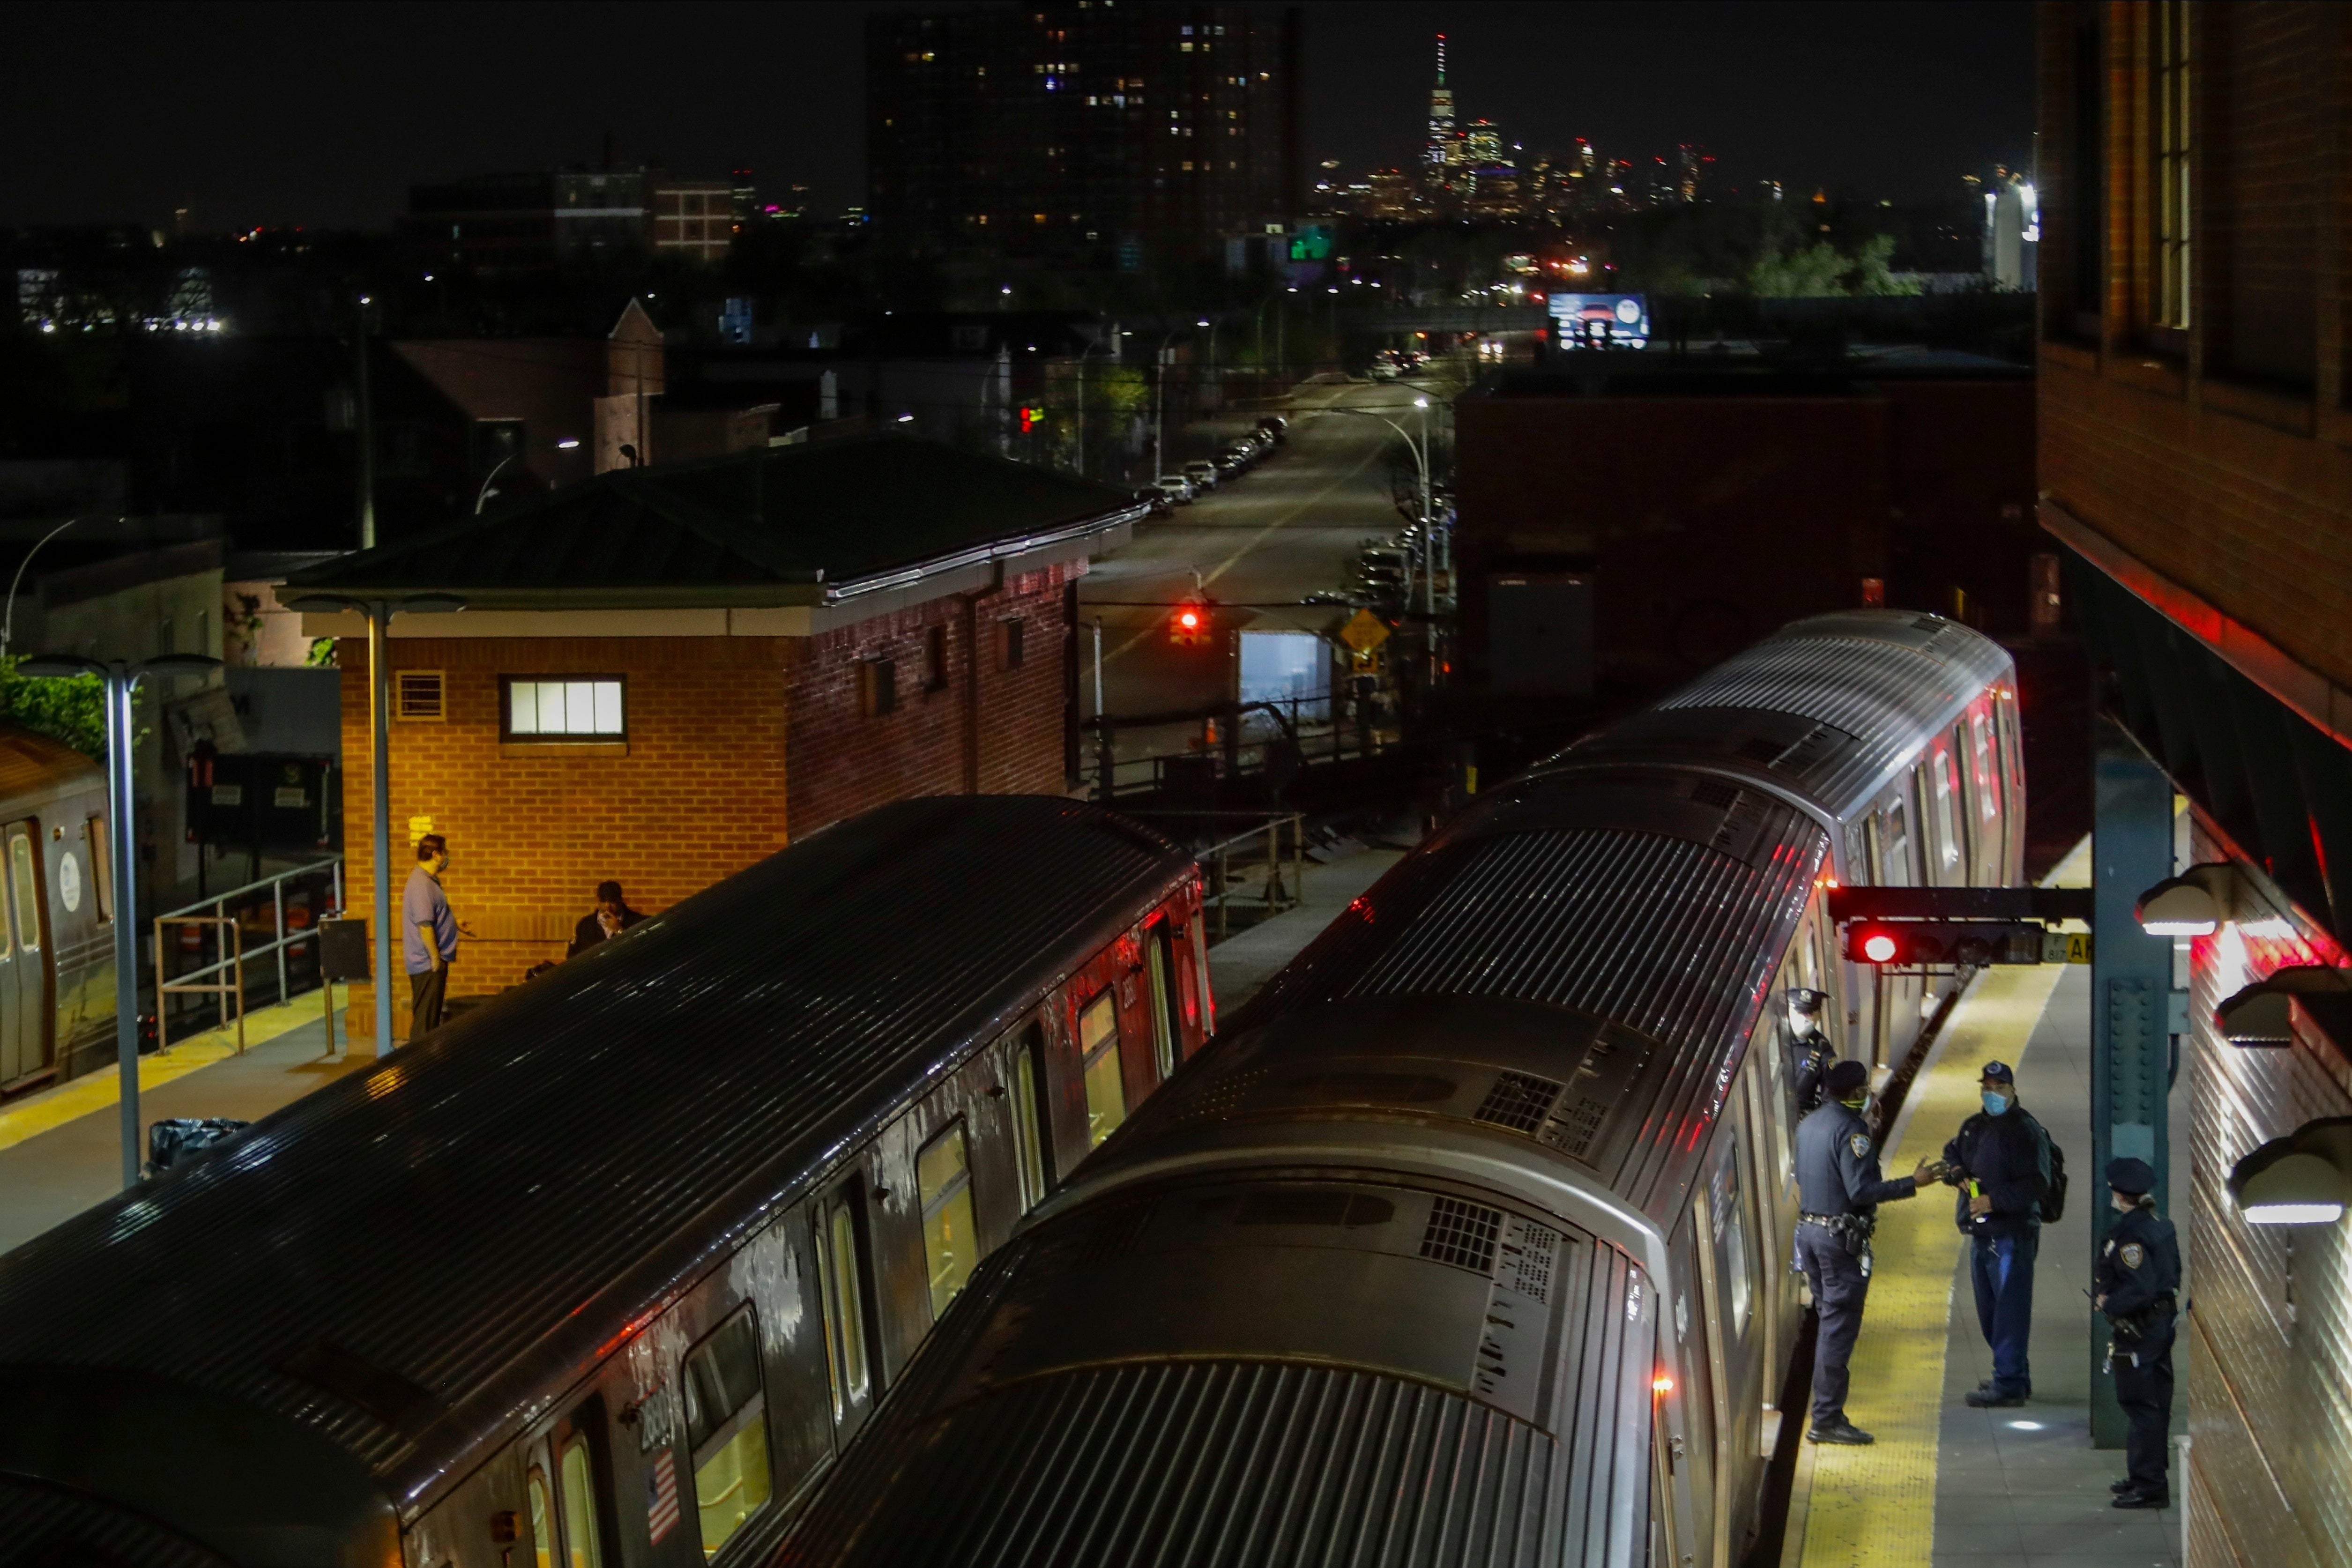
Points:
(661, 1495)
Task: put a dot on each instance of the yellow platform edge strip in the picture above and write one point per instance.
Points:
(1875, 1506)
(98, 1090)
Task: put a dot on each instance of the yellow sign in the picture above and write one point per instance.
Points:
(1364, 631)
(2066, 947)
(418, 828)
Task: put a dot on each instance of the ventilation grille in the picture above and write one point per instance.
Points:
(1519, 1100)
(1715, 792)
(1461, 1234)
(1578, 1124)
(418, 693)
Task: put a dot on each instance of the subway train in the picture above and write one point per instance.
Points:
(1467, 1240)
(603, 1273)
(56, 915)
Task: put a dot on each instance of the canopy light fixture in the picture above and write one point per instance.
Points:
(2194, 904)
(2299, 1179)
(2262, 1014)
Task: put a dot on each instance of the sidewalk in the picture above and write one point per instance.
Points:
(1248, 959)
(61, 1150)
(1945, 1486)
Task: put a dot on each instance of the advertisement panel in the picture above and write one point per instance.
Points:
(1601, 320)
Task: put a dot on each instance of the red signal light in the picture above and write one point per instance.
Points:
(1188, 625)
(1879, 948)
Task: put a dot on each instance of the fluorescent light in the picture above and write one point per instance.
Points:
(567, 444)
(2025, 1426)
(2293, 1213)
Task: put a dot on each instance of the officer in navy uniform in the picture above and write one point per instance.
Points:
(1839, 1189)
(1810, 1055)
(2134, 1284)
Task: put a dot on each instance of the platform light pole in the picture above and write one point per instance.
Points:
(378, 613)
(122, 676)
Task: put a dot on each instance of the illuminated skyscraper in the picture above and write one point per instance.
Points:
(1441, 153)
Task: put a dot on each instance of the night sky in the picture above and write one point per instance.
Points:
(322, 114)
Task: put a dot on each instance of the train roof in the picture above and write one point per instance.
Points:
(398, 1263)
(35, 769)
(1648, 899)
(1828, 706)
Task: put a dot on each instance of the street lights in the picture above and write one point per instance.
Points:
(1110, 342)
(482, 498)
(379, 612)
(123, 848)
(9, 626)
(1159, 400)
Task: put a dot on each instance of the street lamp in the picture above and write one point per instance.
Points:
(1159, 402)
(482, 498)
(123, 848)
(9, 626)
(379, 613)
(1110, 342)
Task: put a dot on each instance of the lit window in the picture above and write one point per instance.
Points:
(543, 1522)
(564, 707)
(951, 1244)
(2172, 163)
(582, 1540)
(844, 1309)
(727, 1430)
(1098, 1052)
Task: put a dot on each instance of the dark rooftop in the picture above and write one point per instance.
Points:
(779, 525)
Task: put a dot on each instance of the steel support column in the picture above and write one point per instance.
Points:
(2131, 982)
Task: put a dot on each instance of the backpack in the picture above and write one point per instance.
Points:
(2053, 1195)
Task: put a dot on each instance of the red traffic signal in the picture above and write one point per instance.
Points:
(1032, 416)
(1187, 624)
(1873, 945)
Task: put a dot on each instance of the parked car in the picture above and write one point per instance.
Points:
(1230, 466)
(1202, 473)
(1176, 488)
(1156, 500)
(1275, 427)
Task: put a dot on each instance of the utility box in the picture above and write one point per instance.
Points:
(343, 951)
(1540, 633)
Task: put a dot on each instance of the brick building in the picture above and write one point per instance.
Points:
(666, 674)
(1710, 501)
(2197, 471)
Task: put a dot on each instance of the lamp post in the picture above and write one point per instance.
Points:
(482, 497)
(8, 625)
(1159, 402)
(379, 613)
(121, 676)
(1090, 347)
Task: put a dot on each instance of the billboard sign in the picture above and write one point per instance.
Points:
(1601, 320)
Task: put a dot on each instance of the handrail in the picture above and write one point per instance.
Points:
(212, 910)
(214, 898)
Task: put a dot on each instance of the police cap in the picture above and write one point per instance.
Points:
(1846, 1078)
(2132, 1177)
(1807, 1002)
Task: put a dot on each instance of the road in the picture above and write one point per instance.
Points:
(1289, 527)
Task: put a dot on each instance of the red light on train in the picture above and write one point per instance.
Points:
(1662, 1385)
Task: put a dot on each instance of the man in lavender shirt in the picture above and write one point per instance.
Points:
(431, 930)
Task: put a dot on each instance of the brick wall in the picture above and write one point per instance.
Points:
(2223, 461)
(696, 794)
(844, 762)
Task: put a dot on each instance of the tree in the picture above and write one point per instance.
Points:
(71, 709)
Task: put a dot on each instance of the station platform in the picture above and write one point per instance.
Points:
(1946, 1486)
(61, 1150)
(1248, 959)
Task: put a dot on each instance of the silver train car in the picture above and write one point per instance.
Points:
(56, 915)
(604, 1273)
(1467, 1240)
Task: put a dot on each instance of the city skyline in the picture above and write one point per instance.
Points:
(228, 111)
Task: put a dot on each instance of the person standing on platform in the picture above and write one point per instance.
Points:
(432, 935)
(1839, 1189)
(1810, 1055)
(2134, 1283)
(2001, 1160)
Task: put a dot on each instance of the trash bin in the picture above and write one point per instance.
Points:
(177, 1141)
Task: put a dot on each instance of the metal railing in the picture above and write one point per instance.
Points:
(1324, 728)
(290, 951)
(1248, 872)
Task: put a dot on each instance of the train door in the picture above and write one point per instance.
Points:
(1692, 1450)
(1731, 1274)
(1167, 1024)
(845, 1298)
(1990, 863)
(34, 987)
(2013, 793)
(564, 1488)
(1032, 1123)
(1945, 841)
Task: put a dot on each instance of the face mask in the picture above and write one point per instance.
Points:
(1800, 1025)
(1995, 1105)
(1856, 1103)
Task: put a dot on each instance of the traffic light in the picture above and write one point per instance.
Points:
(1915, 944)
(1187, 624)
(1032, 416)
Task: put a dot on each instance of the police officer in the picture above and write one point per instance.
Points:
(1839, 1189)
(2000, 1161)
(1810, 1053)
(2139, 1271)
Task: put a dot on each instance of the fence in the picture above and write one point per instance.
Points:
(1248, 875)
(1251, 737)
(255, 943)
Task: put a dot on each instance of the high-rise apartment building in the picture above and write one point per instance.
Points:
(1082, 131)
(1442, 152)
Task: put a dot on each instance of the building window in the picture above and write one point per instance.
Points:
(418, 694)
(2171, 124)
(877, 688)
(1009, 642)
(564, 707)
(727, 1430)
(935, 659)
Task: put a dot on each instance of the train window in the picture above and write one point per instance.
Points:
(1895, 845)
(101, 866)
(1163, 1016)
(29, 892)
(582, 1540)
(845, 1305)
(1098, 1056)
(726, 1430)
(1951, 844)
(542, 1520)
(1731, 1236)
(950, 1238)
(1029, 1122)
(1980, 753)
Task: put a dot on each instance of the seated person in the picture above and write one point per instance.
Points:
(611, 917)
